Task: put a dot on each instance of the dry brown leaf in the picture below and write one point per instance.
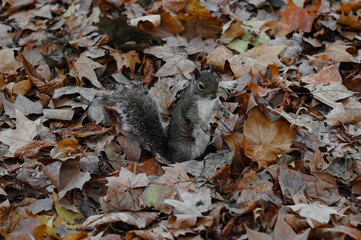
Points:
(128, 59)
(284, 231)
(256, 235)
(219, 56)
(44, 86)
(255, 60)
(24, 133)
(339, 52)
(232, 30)
(350, 20)
(8, 64)
(326, 75)
(84, 67)
(294, 18)
(348, 111)
(89, 129)
(138, 219)
(266, 140)
(32, 149)
(70, 177)
(315, 212)
(124, 191)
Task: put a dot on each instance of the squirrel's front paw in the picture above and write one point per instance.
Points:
(225, 112)
(206, 129)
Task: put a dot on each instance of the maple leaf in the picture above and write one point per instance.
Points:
(26, 130)
(266, 140)
(199, 21)
(294, 18)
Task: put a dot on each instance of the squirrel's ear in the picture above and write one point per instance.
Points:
(196, 73)
(211, 69)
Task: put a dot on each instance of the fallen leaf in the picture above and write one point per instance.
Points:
(31, 150)
(8, 63)
(89, 129)
(70, 177)
(59, 114)
(266, 140)
(255, 235)
(124, 191)
(128, 59)
(191, 204)
(326, 75)
(84, 67)
(294, 18)
(232, 30)
(255, 60)
(219, 56)
(137, 219)
(315, 212)
(23, 104)
(26, 130)
(348, 111)
(199, 21)
(284, 231)
(65, 148)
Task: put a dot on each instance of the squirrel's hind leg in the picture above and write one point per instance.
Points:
(180, 152)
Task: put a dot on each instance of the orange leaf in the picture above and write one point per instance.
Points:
(82, 132)
(294, 18)
(32, 149)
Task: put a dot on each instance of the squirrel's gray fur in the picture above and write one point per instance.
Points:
(189, 130)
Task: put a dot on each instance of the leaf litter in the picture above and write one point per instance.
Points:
(286, 165)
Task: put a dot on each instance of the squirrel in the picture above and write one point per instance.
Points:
(189, 129)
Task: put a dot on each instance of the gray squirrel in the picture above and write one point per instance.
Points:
(189, 129)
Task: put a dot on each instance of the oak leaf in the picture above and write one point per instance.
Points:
(128, 59)
(84, 67)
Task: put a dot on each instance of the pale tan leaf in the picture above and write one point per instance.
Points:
(138, 219)
(219, 56)
(348, 111)
(315, 211)
(8, 64)
(255, 235)
(255, 60)
(84, 67)
(24, 133)
(59, 114)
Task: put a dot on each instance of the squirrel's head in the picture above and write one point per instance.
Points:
(205, 84)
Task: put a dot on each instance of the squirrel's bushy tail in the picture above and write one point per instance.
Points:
(139, 115)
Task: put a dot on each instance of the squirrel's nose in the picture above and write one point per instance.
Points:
(213, 96)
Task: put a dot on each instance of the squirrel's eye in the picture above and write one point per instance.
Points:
(201, 86)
